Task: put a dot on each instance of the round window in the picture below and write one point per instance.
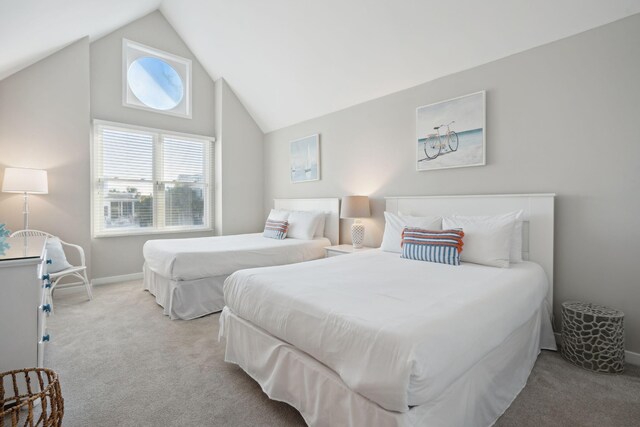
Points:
(155, 83)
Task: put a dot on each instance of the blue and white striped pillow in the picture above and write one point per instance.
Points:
(275, 229)
(443, 246)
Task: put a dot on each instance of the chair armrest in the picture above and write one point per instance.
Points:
(79, 249)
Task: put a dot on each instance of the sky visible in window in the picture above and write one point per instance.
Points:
(183, 160)
(155, 83)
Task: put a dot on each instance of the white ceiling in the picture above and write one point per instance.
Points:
(292, 60)
(33, 29)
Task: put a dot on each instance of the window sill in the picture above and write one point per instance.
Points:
(152, 232)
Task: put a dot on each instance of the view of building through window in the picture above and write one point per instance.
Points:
(149, 181)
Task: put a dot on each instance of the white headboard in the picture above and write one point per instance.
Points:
(538, 209)
(330, 206)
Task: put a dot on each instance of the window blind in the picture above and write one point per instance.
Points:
(147, 180)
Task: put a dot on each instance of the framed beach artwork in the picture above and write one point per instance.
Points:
(304, 159)
(451, 134)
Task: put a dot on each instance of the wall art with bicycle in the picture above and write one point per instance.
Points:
(451, 134)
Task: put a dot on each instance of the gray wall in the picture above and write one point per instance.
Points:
(44, 124)
(239, 192)
(45, 117)
(123, 255)
(561, 118)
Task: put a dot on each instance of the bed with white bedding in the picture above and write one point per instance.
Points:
(189, 259)
(186, 275)
(375, 339)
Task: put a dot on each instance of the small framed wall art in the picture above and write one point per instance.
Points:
(304, 159)
(451, 134)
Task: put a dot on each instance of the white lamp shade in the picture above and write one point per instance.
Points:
(19, 180)
(355, 207)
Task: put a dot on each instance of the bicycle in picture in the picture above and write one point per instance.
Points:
(436, 144)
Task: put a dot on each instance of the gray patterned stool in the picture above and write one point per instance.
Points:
(593, 337)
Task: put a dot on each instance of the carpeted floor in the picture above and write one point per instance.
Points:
(123, 363)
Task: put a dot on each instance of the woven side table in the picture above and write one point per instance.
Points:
(593, 337)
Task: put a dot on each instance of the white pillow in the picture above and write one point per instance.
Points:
(516, 239)
(302, 224)
(394, 224)
(56, 254)
(515, 253)
(278, 215)
(487, 239)
(321, 223)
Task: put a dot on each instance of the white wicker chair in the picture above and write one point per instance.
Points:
(79, 272)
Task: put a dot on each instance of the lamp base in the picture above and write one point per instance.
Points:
(357, 234)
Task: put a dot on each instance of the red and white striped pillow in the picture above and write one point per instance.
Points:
(274, 229)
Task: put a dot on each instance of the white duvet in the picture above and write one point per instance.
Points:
(190, 259)
(397, 331)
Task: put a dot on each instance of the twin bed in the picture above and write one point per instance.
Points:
(375, 339)
(186, 275)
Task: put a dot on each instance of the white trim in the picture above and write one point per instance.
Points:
(99, 282)
(484, 131)
(70, 286)
(117, 279)
(632, 358)
(128, 126)
(138, 232)
(173, 60)
(472, 196)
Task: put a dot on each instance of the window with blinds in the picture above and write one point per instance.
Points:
(149, 181)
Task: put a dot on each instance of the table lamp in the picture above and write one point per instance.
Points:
(25, 181)
(356, 207)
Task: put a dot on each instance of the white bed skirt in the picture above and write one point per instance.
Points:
(185, 299)
(477, 398)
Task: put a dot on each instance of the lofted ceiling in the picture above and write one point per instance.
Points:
(33, 29)
(292, 60)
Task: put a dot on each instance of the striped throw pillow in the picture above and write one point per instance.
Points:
(275, 229)
(442, 246)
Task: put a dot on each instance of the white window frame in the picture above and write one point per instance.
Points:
(133, 50)
(158, 209)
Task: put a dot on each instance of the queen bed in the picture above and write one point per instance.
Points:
(375, 339)
(186, 275)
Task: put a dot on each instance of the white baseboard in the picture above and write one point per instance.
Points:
(69, 287)
(117, 279)
(79, 286)
(632, 358)
(629, 356)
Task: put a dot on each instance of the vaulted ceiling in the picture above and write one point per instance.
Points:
(292, 60)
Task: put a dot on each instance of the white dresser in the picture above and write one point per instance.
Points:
(24, 303)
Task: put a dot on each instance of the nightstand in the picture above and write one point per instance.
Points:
(343, 250)
(593, 337)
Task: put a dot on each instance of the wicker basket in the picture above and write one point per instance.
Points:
(41, 405)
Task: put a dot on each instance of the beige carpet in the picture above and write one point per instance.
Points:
(123, 363)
